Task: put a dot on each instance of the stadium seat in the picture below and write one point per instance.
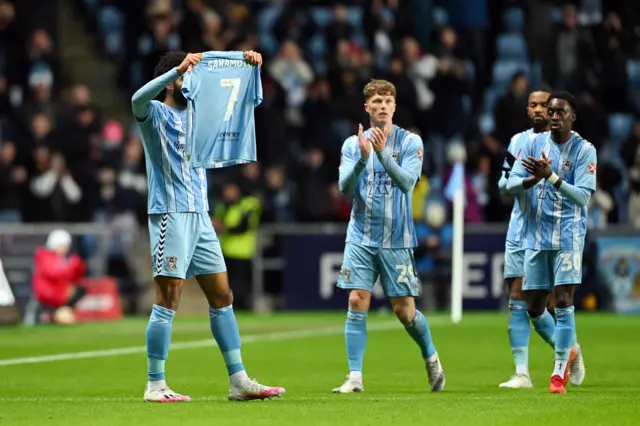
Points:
(620, 126)
(354, 17)
(535, 75)
(470, 72)
(267, 18)
(487, 123)
(633, 72)
(491, 96)
(512, 47)
(317, 50)
(322, 16)
(110, 19)
(504, 70)
(513, 19)
(440, 16)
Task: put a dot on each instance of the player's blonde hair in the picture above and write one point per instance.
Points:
(379, 87)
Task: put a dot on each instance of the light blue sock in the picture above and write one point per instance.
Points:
(565, 332)
(545, 326)
(355, 334)
(224, 328)
(158, 340)
(519, 332)
(419, 331)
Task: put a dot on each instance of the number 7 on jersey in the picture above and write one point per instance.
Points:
(234, 83)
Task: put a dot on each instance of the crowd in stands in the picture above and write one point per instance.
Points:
(462, 71)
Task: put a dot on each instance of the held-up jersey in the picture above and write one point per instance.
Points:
(553, 222)
(223, 91)
(381, 215)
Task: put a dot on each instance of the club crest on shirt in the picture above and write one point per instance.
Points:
(592, 168)
(171, 263)
(345, 273)
(567, 166)
(396, 156)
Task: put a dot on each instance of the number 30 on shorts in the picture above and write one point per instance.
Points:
(570, 261)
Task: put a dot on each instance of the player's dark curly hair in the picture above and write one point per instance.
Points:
(169, 60)
(566, 96)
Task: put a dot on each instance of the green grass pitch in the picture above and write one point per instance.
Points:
(305, 353)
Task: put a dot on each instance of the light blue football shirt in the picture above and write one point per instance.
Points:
(516, 229)
(223, 91)
(381, 215)
(554, 222)
(173, 185)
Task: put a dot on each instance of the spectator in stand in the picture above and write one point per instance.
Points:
(56, 277)
(13, 177)
(510, 113)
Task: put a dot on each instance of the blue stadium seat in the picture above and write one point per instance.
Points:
(267, 18)
(321, 15)
(317, 49)
(470, 72)
(440, 16)
(620, 126)
(504, 70)
(633, 71)
(535, 75)
(354, 17)
(512, 47)
(467, 104)
(487, 123)
(513, 19)
(491, 96)
(110, 19)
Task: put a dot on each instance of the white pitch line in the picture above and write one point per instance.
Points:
(269, 337)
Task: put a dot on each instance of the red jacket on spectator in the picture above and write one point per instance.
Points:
(55, 275)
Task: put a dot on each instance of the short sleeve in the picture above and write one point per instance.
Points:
(257, 81)
(586, 168)
(191, 82)
(413, 156)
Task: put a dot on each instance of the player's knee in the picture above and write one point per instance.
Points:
(168, 292)
(515, 289)
(404, 314)
(404, 309)
(563, 300)
(359, 300)
(535, 307)
(221, 300)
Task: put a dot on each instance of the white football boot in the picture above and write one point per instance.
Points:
(163, 394)
(250, 389)
(577, 370)
(518, 381)
(350, 386)
(435, 373)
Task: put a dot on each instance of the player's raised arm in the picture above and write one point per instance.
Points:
(352, 165)
(405, 176)
(585, 178)
(141, 100)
